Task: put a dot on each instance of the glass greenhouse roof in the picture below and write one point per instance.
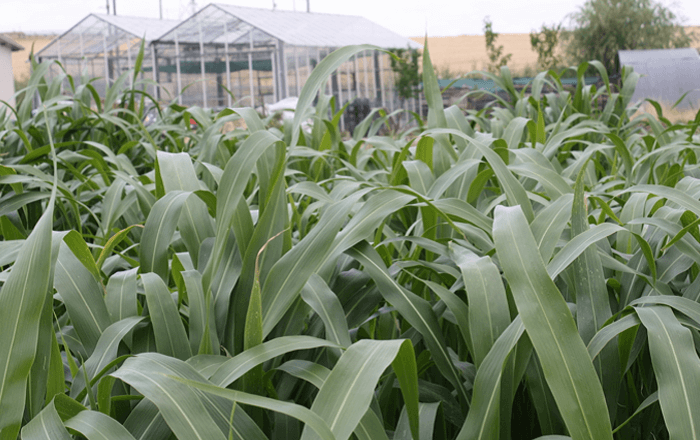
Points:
(233, 24)
(99, 32)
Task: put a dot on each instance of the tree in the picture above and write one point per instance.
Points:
(496, 57)
(544, 42)
(405, 66)
(602, 27)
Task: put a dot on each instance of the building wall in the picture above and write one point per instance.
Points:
(7, 83)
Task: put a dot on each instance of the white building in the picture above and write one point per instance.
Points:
(7, 82)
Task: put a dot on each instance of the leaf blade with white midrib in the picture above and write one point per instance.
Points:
(319, 296)
(592, 302)
(171, 338)
(47, 425)
(23, 296)
(482, 420)
(105, 351)
(160, 227)
(82, 296)
(677, 369)
(181, 407)
(414, 309)
(97, 426)
(347, 391)
(551, 328)
(287, 277)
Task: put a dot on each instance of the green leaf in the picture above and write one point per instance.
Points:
(578, 246)
(424, 151)
(83, 297)
(178, 174)
(97, 426)
(550, 326)
(346, 394)
(112, 243)
(202, 328)
(317, 79)
(240, 364)
(253, 332)
(413, 308)
(171, 338)
(77, 245)
(23, 296)
(121, 298)
(541, 136)
(182, 407)
(427, 412)
(46, 377)
(159, 230)
(291, 409)
(483, 421)
(146, 423)
(230, 195)
(370, 426)
(489, 314)
(549, 224)
(325, 303)
(46, 426)
(592, 302)
(67, 407)
(105, 351)
(290, 273)
(513, 189)
(677, 369)
(478, 184)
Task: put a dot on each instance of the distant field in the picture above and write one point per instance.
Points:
(20, 64)
(464, 53)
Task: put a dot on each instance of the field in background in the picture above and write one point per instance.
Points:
(453, 56)
(465, 53)
(20, 63)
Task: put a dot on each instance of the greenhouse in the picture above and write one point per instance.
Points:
(103, 47)
(262, 56)
(667, 75)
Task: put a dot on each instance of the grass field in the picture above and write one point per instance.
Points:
(526, 271)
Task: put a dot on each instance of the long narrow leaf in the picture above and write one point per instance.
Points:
(550, 326)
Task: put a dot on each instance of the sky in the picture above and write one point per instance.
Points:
(409, 18)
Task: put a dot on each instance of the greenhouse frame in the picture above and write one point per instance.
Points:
(103, 47)
(263, 56)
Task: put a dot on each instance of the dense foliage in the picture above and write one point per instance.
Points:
(545, 42)
(495, 53)
(600, 28)
(526, 270)
(404, 64)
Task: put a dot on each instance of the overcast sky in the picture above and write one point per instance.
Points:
(406, 17)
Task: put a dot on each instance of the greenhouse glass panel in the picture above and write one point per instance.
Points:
(229, 55)
(103, 47)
